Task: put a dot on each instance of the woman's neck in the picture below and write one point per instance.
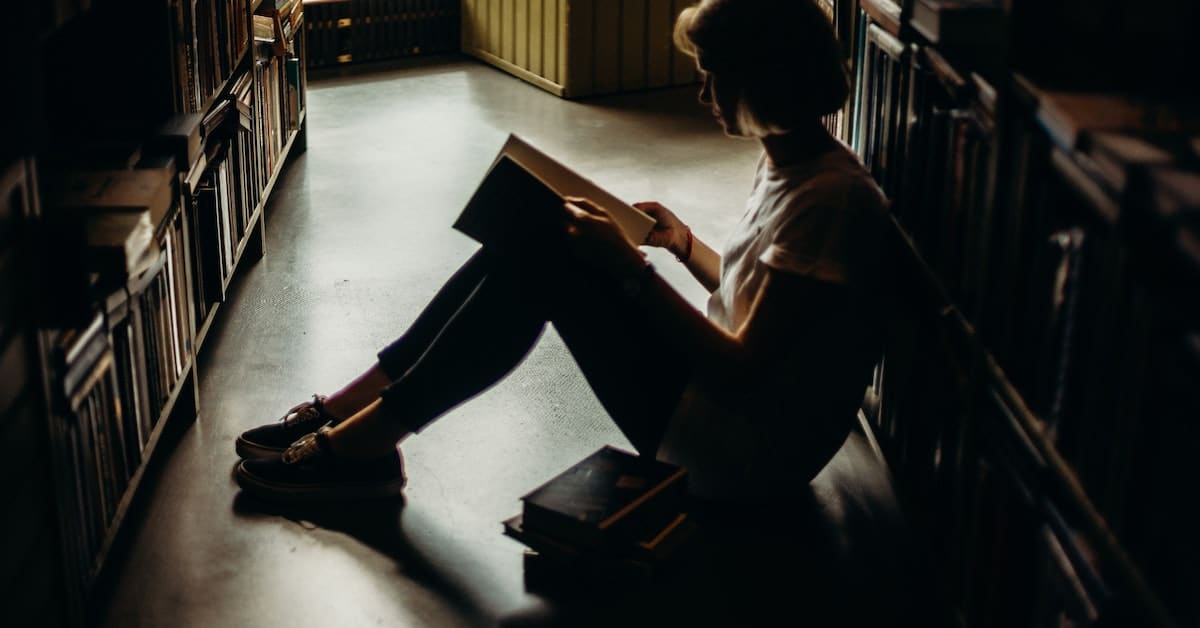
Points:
(798, 145)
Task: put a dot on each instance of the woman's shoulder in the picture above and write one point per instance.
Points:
(843, 167)
(838, 180)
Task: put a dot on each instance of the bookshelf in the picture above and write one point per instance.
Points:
(342, 32)
(30, 547)
(135, 178)
(1033, 399)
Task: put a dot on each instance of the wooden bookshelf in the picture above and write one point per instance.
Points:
(101, 367)
(30, 520)
(579, 48)
(180, 395)
(350, 32)
(255, 235)
(1034, 388)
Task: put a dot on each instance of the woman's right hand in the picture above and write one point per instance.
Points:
(669, 232)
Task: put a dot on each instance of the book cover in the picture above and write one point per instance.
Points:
(643, 556)
(120, 245)
(522, 194)
(208, 239)
(1068, 116)
(180, 137)
(609, 497)
(1116, 154)
(550, 567)
(143, 189)
(960, 22)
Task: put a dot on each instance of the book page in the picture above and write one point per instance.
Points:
(566, 182)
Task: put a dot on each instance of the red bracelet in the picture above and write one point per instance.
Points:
(687, 249)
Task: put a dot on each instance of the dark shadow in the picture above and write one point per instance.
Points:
(384, 70)
(106, 582)
(836, 553)
(375, 524)
(674, 100)
(741, 568)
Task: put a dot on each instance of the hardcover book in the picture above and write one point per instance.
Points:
(120, 245)
(180, 136)
(609, 498)
(115, 190)
(960, 22)
(551, 563)
(522, 195)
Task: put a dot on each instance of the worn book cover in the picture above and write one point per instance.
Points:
(120, 245)
(647, 553)
(521, 197)
(1117, 154)
(143, 189)
(612, 496)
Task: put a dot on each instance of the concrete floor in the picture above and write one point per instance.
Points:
(358, 238)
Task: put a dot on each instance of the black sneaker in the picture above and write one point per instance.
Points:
(268, 441)
(308, 472)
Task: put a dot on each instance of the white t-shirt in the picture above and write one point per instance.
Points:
(822, 219)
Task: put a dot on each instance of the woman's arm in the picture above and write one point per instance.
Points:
(772, 326)
(670, 233)
(705, 264)
(778, 319)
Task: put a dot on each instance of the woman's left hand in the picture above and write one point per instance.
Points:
(596, 240)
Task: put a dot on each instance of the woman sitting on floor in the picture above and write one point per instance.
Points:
(753, 399)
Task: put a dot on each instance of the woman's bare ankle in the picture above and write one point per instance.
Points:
(358, 394)
(336, 407)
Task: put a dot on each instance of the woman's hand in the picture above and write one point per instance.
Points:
(669, 232)
(596, 240)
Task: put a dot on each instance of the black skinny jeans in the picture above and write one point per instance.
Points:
(488, 316)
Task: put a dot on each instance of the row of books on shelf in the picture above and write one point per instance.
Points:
(152, 329)
(203, 170)
(290, 14)
(1015, 544)
(1060, 243)
(114, 376)
(97, 445)
(949, 23)
(156, 234)
(613, 518)
(229, 155)
(347, 31)
(279, 81)
(209, 39)
(928, 133)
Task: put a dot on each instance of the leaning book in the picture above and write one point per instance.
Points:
(520, 199)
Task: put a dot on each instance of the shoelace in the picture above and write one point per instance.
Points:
(304, 413)
(305, 448)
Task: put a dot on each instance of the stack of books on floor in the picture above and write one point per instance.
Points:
(613, 518)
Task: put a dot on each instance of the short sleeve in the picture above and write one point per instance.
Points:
(830, 241)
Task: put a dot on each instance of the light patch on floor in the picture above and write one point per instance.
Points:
(358, 239)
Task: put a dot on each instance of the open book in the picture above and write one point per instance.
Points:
(520, 199)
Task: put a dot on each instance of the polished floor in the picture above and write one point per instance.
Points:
(358, 238)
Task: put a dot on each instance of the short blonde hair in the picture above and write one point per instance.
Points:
(782, 57)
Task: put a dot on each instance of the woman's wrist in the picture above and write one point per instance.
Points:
(685, 251)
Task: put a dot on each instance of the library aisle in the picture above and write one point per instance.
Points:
(358, 238)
